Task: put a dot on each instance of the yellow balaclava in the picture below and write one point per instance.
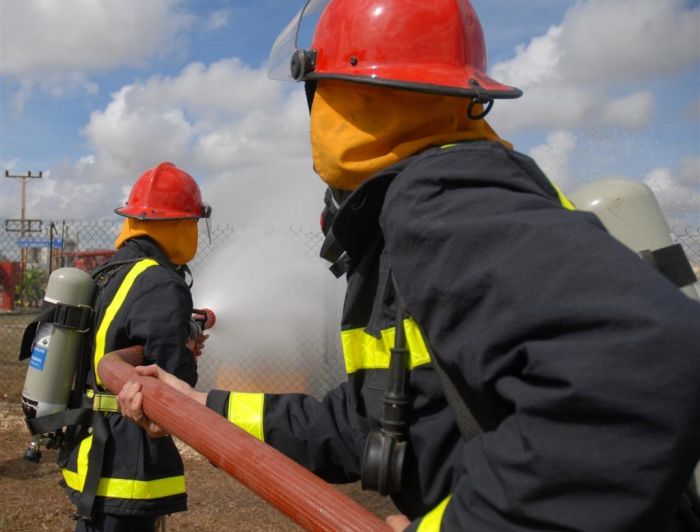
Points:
(177, 238)
(357, 130)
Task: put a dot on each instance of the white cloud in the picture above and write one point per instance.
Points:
(680, 201)
(40, 37)
(56, 45)
(554, 156)
(218, 19)
(244, 137)
(632, 112)
(638, 40)
(569, 73)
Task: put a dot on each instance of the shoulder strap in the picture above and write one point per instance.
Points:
(102, 274)
(465, 420)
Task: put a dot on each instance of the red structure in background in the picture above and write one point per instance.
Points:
(9, 278)
(87, 260)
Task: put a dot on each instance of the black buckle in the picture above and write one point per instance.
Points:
(77, 317)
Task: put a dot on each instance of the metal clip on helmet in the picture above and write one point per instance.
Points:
(165, 193)
(435, 47)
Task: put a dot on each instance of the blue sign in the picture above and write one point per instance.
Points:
(40, 243)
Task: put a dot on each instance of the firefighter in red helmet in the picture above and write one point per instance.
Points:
(118, 477)
(511, 366)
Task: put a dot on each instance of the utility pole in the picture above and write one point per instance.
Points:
(23, 197)
(22, 217)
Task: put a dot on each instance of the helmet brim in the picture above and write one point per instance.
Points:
(444, 80)
(138, 213)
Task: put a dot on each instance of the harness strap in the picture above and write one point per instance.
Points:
(673, 264)
(100, 434)
(46, 314)
(75, 416)
(466, 422)
(78, 317)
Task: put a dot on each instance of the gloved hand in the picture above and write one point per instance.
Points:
(197, 344)
(201, 320)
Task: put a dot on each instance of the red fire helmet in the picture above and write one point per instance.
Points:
(165, 193)
(434, 46)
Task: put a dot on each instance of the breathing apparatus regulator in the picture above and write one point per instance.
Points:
(385, 449)
(53, 343)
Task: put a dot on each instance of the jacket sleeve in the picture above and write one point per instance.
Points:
(321, 434)
(158, 319)
(579, 360)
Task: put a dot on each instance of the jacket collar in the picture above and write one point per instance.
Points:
(357, 223)
(143, 246)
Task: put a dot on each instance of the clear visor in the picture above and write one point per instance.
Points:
(299, 30)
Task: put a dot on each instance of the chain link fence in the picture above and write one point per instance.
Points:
(303, 358)
(291, 344)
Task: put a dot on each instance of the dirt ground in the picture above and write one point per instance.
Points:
(31, 500)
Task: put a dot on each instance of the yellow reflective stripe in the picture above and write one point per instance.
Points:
(103, 402)
(119, 487)
(565, 202)
(445, 146)
(246, 411)
(76, 480)
(431, 521)
(113, 308)
(364, 351)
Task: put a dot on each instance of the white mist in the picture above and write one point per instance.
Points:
(277, 314)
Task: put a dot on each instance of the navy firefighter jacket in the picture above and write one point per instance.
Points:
(579, 360)
(145, 302)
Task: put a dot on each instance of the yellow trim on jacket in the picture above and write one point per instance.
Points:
(364, 351)
(122, 488)
(432, 521)
(112, 309)
(245, 410)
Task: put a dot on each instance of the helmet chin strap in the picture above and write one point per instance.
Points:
(480, 98)
(484, 112)
(206, 221)
(310, 90)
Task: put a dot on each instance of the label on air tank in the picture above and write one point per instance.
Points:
(38, 358)
(41, 347)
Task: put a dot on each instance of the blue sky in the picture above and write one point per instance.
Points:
(93, 93)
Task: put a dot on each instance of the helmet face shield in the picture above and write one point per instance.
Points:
(287, 43)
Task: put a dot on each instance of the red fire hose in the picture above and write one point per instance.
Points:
(302, 496)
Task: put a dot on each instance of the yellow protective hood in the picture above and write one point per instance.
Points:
(177, 238)
(358, 130)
